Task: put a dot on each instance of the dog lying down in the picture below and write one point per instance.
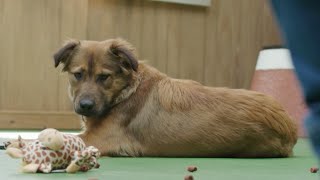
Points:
(132, 109)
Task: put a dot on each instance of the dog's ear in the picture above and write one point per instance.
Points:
(64, 54)
(124, 53)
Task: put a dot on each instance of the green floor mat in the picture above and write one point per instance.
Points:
(295, 168)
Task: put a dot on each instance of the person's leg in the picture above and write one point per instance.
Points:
(300, 23)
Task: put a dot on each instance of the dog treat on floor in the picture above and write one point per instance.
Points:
(314, 170)
(188, 177)
(192, 168)
(53, 150)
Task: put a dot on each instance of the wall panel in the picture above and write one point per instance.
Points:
(216, 46)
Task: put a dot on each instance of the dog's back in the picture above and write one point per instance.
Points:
(185, 118)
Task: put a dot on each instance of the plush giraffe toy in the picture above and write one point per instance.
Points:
(53, 150)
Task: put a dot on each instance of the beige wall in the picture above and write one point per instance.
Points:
(217, 46)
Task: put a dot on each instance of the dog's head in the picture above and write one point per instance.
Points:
(98, 72)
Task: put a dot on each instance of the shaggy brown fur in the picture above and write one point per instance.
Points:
(135, 110)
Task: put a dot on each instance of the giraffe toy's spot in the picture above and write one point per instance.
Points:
(38, 154)
(52, 154)
(59, 153)
(44, 153)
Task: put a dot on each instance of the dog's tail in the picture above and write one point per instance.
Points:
(270, 112)
(291, 134)
(285, 126)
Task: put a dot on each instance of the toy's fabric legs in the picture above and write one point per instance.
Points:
(84, 160)
(77, 162)
(30, 168)
(300, 22)
(33, 168)
(14, 152)
(45, 168)
(73, 167)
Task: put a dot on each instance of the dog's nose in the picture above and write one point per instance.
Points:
(86, 104)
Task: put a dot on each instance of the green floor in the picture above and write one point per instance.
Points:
(296, 168)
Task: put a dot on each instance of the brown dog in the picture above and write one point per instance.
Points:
(131, 109)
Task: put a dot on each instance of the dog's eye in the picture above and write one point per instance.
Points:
(102, 77)
(78, 75)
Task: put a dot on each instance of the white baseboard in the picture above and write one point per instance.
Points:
(189, 2)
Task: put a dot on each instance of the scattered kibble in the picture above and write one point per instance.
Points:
(314, 170)
(93, 179)
(97, 165)
(188, 177)
(192, 168)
